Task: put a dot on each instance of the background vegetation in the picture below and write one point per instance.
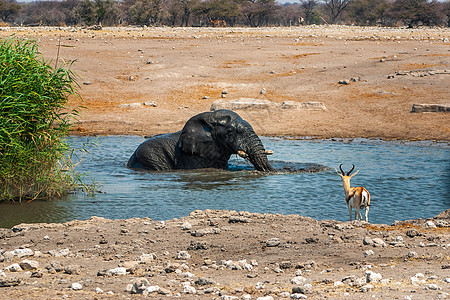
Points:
(234, 12)
(33, 153)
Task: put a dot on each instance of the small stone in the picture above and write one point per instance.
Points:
(150, 103)
(204, 281)
(263, 91)
(72, 269)
(151, 289)
(366, 288)
(373, 277)
(98, 290)
(76, 286)
(430, 224)
(432, 286)
(59, 252)
(117, 271)
(344, 82)
(259, 285)
(411, 254)
(273, 242)
(14, 268)
(147, 257)
(367, 241)
(368, 253)
(29, 264)
(186, 226)
(188, 289)
(299, 280)
(224, 92)
(378, 242)
(22, 252)
(298, 296)
(183, 255)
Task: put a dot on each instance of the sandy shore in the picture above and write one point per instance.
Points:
(182, 71)
(226, 255)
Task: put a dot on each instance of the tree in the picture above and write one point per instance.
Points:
(367, 12)
(335, 8)
(257, 12)
(309, 7)
(8, 9)
(86, 12)
(146, 12)
(416, 12)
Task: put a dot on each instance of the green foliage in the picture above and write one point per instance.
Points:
(33, 154)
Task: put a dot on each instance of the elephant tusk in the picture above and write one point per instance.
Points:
(242, 154)
(269, 152)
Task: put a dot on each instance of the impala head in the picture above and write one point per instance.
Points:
(349, 173)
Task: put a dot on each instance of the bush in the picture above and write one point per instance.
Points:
(34, 161)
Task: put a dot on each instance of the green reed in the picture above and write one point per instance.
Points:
(34, 156)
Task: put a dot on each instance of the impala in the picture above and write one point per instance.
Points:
(356, 197)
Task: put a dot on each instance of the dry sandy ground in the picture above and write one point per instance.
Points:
(183, 70)
(228, 253)
(218, 254)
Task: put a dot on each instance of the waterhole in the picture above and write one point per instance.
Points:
(406, 180)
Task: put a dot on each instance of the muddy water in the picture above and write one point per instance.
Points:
(406, 181)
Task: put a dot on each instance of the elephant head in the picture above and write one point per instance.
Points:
(210, 138)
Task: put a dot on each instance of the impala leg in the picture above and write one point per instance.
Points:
(349, 211)
(367, 213)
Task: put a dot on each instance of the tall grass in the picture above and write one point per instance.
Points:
(34, 157)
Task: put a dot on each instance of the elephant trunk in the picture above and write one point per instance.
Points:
(256, 153)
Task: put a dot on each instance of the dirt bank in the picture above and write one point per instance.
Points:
(183, 70)
(213, 254)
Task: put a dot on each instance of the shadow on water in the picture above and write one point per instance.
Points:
(406, 181)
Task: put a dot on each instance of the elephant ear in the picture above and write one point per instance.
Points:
(198, 134)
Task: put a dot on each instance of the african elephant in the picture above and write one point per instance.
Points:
(207, 140)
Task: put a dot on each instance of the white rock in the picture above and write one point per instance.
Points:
(284, 295)
(242, 103)
(129, 105)
(187, 289)
(147, 257)
(430, 224)
(186, 226)
(259, 285)
(118, 271)
(22, 252)
(151, 289)
(368, 253)
(14, 268)
(312, 105)
(298, 296)
(59, 252)
(298, 273)
(412, 254)
(76, 286)
(183, 255)
(99, 290)
(432, 287)
(265, 298)
(366, 288)
(338, 283)
(46, 238)
(373, 277)
(446, 279)
(378, 242)
(226, 297)
(29, 264)
(299, 280)
(418, 279)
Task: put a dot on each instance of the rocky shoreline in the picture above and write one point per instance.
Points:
(216, 254)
